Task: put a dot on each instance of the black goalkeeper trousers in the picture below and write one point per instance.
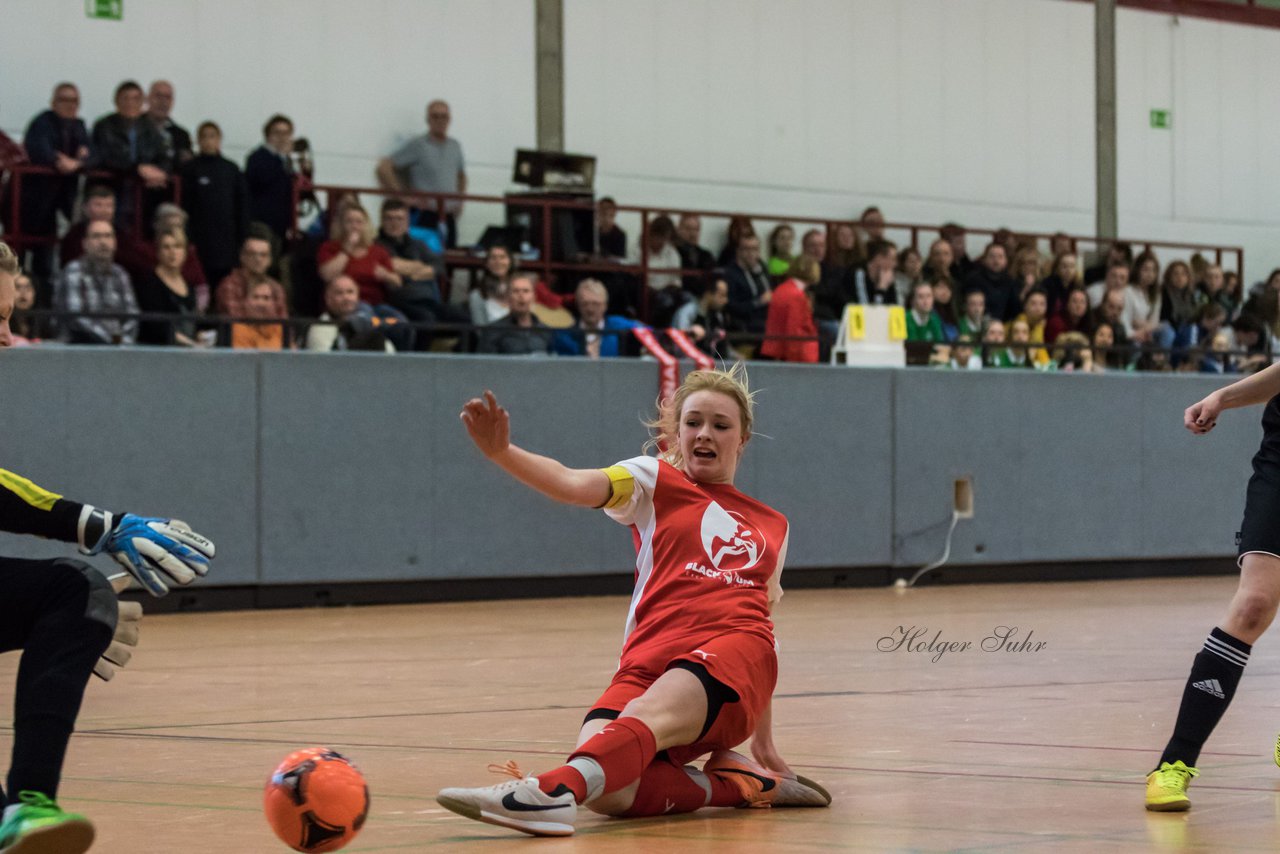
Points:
(62, 615)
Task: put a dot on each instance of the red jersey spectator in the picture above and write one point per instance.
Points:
(351, 251)
(790, 316)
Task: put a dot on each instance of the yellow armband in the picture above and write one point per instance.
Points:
(622, 484)
(41, 499)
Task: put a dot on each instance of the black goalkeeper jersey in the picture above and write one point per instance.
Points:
(28, 509)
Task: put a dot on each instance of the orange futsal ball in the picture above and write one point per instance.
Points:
(316, 800)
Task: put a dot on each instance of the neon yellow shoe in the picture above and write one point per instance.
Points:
(1167, 787)
(39, 826)
(1277, 753)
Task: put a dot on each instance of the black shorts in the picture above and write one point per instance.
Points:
(1260, 530)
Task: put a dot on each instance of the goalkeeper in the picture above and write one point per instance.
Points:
(65, 617)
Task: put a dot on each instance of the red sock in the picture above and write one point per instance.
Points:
(564, 776)
(623, 749)
(666, 789)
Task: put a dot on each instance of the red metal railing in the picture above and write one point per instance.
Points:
(1249, 12)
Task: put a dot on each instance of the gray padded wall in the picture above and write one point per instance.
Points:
(349, 467)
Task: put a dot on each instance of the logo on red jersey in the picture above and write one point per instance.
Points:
(731, 543)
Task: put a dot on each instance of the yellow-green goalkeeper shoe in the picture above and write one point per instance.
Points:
(39, 826)
(1277, 753)
(1167, 787)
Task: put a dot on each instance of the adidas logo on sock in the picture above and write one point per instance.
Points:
(1210, 686)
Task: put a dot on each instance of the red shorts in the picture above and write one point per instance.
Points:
(744, 662)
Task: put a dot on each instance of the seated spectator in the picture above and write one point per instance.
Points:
(1249, 335)
(739, 227)
(95, 283)
(132, 148)
(872, 283)
(1111, 311)
(351, 251)
(1119, 254)
(963, 357)
(611, 240)
(705, 319)
(1064, 276)
(1060, 243)
(973, 323)
(520, 333)
(994, 352)
(1033, 314)
(269, 176)
(945, 307)
(596, 334)
(348, 324)
(1105, 356)
(216, 198)
(1211, 317)
(1213, 289)
(58, 139)
(24, 328)
(692, 256)
(1117, 279)
(910, 271)
(989, 276)
(490, 296)
(1216, 358)
(177, 139)
(164, 290)
(923, 323)
(790, 334)
(782, 242)
(872, 222)
(421, 270)
(1073, 317)
(1025, 270)
(749, 287)
(265, 302)
(1271, 283)
(255, 261)
(961, 264)
(1017, 354)
(98, 205)
(939, 262)
(844, 253)
(660, 254)
(139, 257)
(831, 294)
(1072, 352)
(1142, 299)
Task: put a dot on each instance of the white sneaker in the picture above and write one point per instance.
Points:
(518, 804)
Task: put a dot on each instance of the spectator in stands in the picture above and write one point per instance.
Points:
(1072, 317)
(98, 205)
(351, 250)
(661, 254)
(1025, 270)
(265, 302)
(990, 277)
(520, 333)
(1033, 315)
(612, 239)
(749, 287)
(164, 290)
(939, 261)
(255, 261)
(1111, 312)
(1018, 354)
(420, 269)
(782, 242)
(1072, 352)
(705, 319)
(1178, 304)
(963, 357)
(844, 253)
(132, 148)
(872, 222)
(1105, 356)
(961, 264)
(1211, 317)
(790, 334)
(910, 271)
(923, 323)
(1064, 275)
(269, 175)
(974, 322)
(1142, 299)
(1117, 279)
(739, 227)
(995, 353)
(1250, 336)
(349, 324)
(25, 328)
(432, 163)
(872, 283)
(139, 257)
(95, 283)
(177, 140)
(1213, 288)
(216, 198)
(597, 334)
(56, 139)
(692, 255)
(489, 299)
(944, 305)
(1060, 244)
(1119, 253)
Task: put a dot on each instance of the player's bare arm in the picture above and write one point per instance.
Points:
(1201, 416)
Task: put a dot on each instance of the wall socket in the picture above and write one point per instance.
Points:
(962, 498)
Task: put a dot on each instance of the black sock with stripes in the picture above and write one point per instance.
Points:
(1214, 677)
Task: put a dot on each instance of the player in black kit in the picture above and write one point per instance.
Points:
(63, 614)
(1218, 666)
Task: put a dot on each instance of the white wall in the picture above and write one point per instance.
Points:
(976, 110)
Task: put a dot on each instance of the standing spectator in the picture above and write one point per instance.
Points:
(434, 164)
(1117, 279)
(692, 255)
(57, 139)
(790, 334)
(961, 264)
(520, 333)
(177, 141)
(1072, 317)
(923, 323)
(95, 283)
(1033, 315)
(872, 222)
(612, 240)
(266, 302)
(873, 282)
(1064, 275)
(740, 227)
(350, 250)
(269, 175)
(974, 321)
(131, 147)
(749, 287)
(164, 290)
(939, 262)
(910, 272)
(944, 305)
(1142, 299)
(705, 319)
(597, 334)
(782, 242)
(1119, 253)
(255, 261)
(216, 197)
(490, 297)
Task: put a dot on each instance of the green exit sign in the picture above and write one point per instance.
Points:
(1161, 119)
(107, 10)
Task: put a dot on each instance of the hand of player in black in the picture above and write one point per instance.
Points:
(1201, 417)
(488, 423)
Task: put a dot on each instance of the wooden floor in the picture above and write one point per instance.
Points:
(982, 751)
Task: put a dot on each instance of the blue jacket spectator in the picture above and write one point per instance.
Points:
(597, 335)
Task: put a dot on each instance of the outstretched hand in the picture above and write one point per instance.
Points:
(1201, 417)
(767, 755)
(488, 424)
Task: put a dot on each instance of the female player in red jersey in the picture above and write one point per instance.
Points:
(698, 665)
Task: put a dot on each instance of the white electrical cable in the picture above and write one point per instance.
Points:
(946, 555)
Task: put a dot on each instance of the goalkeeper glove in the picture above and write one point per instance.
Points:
(156, 552)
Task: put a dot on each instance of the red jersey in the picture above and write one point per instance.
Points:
(708, 562)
